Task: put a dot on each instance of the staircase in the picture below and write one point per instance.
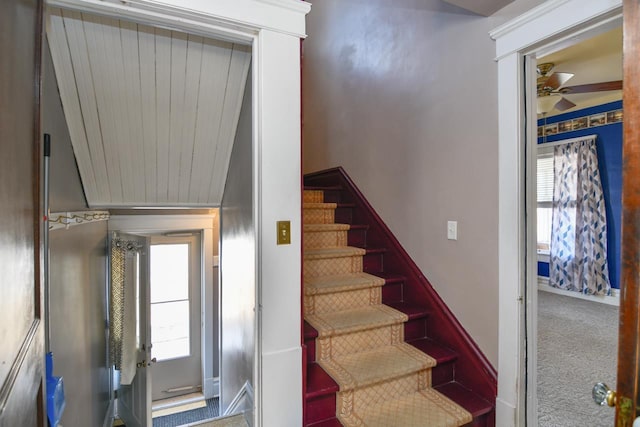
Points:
(382, 349)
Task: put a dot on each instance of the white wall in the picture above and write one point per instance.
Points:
(238, 269)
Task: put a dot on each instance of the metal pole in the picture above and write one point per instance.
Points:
(47, 155)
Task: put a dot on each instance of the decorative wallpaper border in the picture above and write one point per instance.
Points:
(593, 120)
(67, 219)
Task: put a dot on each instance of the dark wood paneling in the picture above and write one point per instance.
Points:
(629, 340)
(21, 326)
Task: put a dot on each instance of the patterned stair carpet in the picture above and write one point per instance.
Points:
(383, 381)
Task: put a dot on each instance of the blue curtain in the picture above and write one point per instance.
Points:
(578, 258)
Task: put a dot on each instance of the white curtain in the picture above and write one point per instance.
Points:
(578, 259)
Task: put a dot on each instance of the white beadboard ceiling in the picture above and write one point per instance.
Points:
(152, 113)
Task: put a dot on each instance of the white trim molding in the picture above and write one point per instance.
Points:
(65, 220)
(613, 299)
(548, 27)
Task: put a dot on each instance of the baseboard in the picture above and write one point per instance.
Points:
(109, 416)
(506, 414)
(613, 299)
(242, 402)
(211, 387)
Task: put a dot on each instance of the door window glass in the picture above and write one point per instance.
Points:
(169, 283)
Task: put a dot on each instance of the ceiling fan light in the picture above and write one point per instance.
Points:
(546, 103)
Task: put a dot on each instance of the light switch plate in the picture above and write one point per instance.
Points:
(284, 232)
(452, 230)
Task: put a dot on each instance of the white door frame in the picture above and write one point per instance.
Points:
(273, 28)
(156, 224)
(550, 26)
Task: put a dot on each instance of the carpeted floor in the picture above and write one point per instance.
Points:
(577, 347)
(210, 411)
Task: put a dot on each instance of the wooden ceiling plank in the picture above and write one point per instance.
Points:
(100, 58)
(216, 57)
(163, 113)
(86, 95)
(120, 107)
(237, 79)
(131, 63)
(147, 63)
(68, 93)
(194, 64)
(177, 122)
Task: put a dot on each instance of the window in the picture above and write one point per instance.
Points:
(545, 199)
(169, 265)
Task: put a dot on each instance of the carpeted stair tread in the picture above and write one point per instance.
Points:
(335, 252)
(318, 205)
(319, 382)
(464, 397)
(348, 282)
(423, 408)
(358, 319)
(326, 227)
(377, 365)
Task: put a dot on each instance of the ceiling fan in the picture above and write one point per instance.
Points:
(550, 87)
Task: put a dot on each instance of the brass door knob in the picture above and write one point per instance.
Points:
(603, 394)
(141, 364)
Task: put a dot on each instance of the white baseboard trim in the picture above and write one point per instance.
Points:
(211, 387)
(109, 416)
(242, 402)
(613, 299)
(505, 414)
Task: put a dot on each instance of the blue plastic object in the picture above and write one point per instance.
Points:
(55, 394)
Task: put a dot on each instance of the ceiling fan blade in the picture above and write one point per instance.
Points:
(564, 104)
(556, 80)
(593, 87)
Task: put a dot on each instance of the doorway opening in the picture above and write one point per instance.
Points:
(575, 155)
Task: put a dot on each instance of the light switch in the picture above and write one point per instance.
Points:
(284, 232)
(452, 230)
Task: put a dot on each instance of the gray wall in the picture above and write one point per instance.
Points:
(237, 264)
(77, 279)
(403, 95)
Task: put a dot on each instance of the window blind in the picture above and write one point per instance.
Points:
(545, 178)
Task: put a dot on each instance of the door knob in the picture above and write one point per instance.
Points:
(141, 364)
(154, 360)
(603, 394)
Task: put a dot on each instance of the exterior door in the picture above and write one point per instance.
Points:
(175, 307)
(627, 403)
(134, 400)
(21, 309)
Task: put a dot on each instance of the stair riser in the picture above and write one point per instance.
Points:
(357, 238)
(344, 215)
(348, 402)
(324, 239)
(373, 263)
(392, 292)
(440, 374)
(320, 409)
(312, 196)
(415, 329)
(331, 347)
(332, 266)
(311, 350)
(318, 216)
(325, 303)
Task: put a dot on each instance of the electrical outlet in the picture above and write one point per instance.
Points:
(452, 230)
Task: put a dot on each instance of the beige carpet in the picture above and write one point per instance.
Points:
(383, 381)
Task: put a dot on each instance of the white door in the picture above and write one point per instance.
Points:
(134, 400)
(175, 309)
